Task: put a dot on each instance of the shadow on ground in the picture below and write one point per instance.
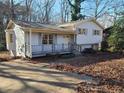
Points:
(79, 61)
(31, 74)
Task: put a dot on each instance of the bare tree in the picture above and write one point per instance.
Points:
(98, 8)
(116, 10)
(45, 10)
(65, 11)
(12, 9)
(28, 4)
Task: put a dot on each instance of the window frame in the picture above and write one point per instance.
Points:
(47, 39)
(11, 38)
(82, 31)
(50, 39)
(97, 32)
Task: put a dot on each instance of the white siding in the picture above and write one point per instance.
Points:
(35, 38)
(89, 38)
(58, 40)
(61, 39)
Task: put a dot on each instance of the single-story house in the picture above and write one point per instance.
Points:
(28, 39)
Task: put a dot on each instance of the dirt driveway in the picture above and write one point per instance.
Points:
(21, 77)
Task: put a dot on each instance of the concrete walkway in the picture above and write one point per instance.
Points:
(20, 77)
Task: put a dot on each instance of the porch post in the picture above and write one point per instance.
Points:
(74, 45)
(30, 43)
(42, 42)
(74, 39)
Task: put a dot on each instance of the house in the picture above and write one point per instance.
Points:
(28, 39)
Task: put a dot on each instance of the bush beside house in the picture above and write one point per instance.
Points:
(116, 38)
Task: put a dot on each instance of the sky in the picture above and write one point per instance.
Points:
(89, 11)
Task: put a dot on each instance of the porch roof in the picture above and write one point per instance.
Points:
(46, 30)
(39, 27)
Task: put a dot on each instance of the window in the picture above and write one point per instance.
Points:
(96, 32)
(48, 39)
(79, 31)
(66, 36)
(82, 31)
(11, 38)
(45, 37)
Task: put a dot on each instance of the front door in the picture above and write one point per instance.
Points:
(47, 42)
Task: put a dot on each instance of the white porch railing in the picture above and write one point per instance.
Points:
(48, 48)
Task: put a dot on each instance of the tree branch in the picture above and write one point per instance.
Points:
(70, 3)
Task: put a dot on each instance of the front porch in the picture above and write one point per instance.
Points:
(44, 49)
(39, 43)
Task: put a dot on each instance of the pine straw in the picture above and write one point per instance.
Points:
(5, 56)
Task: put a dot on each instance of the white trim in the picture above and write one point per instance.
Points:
(30, 35)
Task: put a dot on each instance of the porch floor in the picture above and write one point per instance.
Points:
(49, 53)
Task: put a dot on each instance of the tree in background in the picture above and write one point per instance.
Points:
(76, 9)
(100, 7)
(28, 4)
(8, 10)
(44, 11)
(116, 39)
(65, 11)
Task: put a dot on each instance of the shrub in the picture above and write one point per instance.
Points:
(2, 47)
(116, 39)
(104, 46)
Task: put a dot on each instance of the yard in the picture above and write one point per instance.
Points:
(105, 69)
(4, 56)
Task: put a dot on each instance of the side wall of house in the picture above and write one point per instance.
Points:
(10, 42)
(88, 39)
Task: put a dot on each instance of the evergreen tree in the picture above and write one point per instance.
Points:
(116, 39)
(76, 9)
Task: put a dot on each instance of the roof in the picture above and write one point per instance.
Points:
(39, 27)
(73, 23)
(46, 28)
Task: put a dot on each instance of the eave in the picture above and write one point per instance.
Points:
(49, 31)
